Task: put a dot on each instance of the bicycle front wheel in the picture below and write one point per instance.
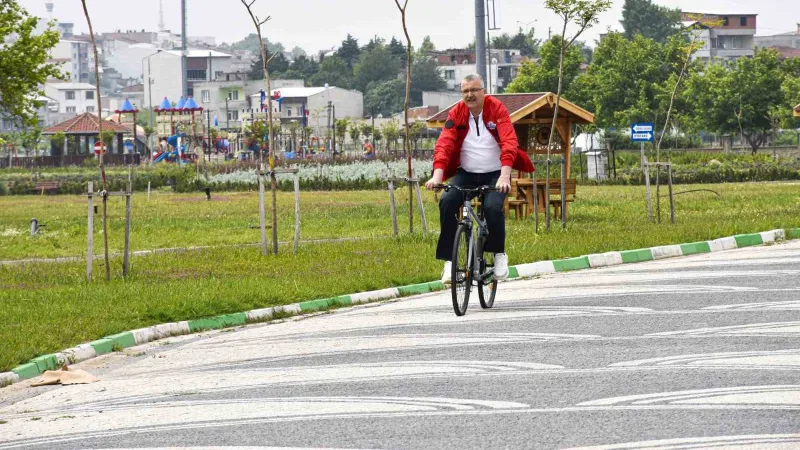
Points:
(461, 283)
(487, 289)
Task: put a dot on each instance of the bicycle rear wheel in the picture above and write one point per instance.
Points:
(461, 283)
(487, 289)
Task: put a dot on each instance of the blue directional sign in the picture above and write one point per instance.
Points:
(642, 132)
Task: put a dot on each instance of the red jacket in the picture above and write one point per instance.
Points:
(447, 155)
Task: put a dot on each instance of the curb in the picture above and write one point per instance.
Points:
(116, 342)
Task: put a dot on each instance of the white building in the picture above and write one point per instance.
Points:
(310, 106)
(72, 98)
(163, 69)
(723, 37)
(229, 95)
(128, 58)
(76, 57)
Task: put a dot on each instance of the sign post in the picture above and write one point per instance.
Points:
(100, 147)
(644, 132)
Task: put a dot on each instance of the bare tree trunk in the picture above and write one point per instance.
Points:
(406, 142)
(553, 127)
(101, 166)
(273, 183)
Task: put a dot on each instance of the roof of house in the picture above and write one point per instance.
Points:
(788, 52)
(71, 86)
(797, 111)
(521, 105)
(134, 88)
(86, 123)
(289, 92)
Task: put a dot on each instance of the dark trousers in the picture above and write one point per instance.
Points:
(451, 202)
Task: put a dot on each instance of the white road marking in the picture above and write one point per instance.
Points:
(788, 395)
(743, 442)
(754, 329)
(778, 359)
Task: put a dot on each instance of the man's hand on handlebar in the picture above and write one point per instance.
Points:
(503, 184)
(435, 180)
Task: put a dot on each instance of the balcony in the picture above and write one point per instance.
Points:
(732, 53)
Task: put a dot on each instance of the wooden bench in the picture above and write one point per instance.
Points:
(49, 186)
(556, 192)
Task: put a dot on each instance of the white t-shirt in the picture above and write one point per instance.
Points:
(480, 152)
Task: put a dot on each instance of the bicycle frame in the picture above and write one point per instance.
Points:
(475, 248)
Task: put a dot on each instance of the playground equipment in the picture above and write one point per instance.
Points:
(180, 120)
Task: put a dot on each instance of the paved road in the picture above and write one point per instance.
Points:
(695, 352)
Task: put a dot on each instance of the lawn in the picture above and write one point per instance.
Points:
(47, 307)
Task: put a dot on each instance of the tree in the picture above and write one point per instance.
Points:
(278, 64)
(355, 133)
(426, 46)
(302, 66)
(741, 98)
(391, 131)
(651, 21)
(375, 65)
(425, 76)
(583, 13)
(349, 51)
(791, 94)
(334, 72)
(526, 43)
(397, 49)
(501, 41)
(542, 75)
(341, 131)
(23, 66)
(250, 43)
(384, 97)
(298, 52)
(374, 42)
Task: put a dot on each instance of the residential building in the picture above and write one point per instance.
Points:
(47, 113)
(309, 106)
(455, 64)
(76, 58)
(164, 72)
(787, 44)
(724, 37)
(72, 98)
(230, 94)
(442, 100)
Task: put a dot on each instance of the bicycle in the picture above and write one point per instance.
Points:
(470, 264)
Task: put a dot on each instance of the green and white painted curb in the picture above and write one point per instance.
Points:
(141, 336)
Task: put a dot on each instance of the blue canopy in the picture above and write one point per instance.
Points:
(165, 104)
(127, 107)
(190, 104)
(181, 103)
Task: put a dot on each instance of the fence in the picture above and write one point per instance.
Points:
(33, 162)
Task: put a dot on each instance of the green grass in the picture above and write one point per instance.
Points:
(48, 307)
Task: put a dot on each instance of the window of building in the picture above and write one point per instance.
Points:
(233, 115)
(725, 21)
(70, 95)
(71, 109)
(743, 21)
(233, 95)
(89, 95)
(90, 109)
(714, 42)
(205, 96)
(218, 74)
(289, 111)
(449, 74)
(196, 74)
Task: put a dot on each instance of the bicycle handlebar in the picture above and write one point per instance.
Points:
(483, 188)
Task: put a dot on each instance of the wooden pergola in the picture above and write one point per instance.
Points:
(796, 112)
(83, 130)
(532, 116)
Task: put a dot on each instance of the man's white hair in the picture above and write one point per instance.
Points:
(473, 77)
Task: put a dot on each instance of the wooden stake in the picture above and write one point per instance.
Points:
(261, 210)
(127, 255)
(535, 204)
(421, 208)
(646, 168)
(563, 193)
(148, 191)
(296, 211)
(90, 234)
(393, 207)
(671, 197)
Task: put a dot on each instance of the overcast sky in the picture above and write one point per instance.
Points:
(320, 24)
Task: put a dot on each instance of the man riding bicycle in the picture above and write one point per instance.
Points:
(478, 146)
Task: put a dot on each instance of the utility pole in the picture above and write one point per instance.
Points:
(480, 38)
(184, 49)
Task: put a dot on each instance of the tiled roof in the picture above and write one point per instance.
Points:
(788, 52)
(513, 102)
(85, 123)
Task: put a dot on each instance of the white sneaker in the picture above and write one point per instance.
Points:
(447, 274)
(500, 266)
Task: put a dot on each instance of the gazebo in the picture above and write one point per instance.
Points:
(80, 134)
(532, 116)
(796, 111)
